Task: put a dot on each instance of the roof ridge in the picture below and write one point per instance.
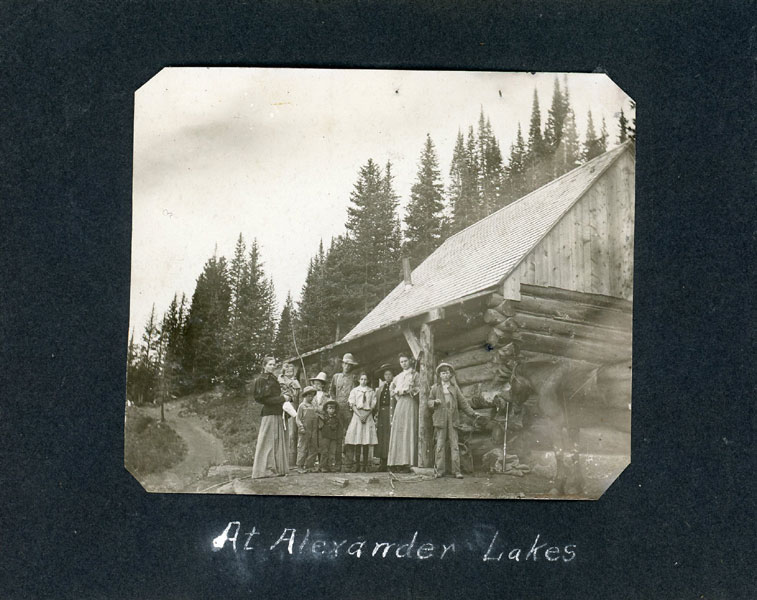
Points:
(402, 301)
(549, 183)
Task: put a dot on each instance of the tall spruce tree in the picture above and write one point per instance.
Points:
(206, 324)
(145, 370)
(388, 237)
(592, 147)
(603, 136)
(553, 131)
(344, 278)
(462, 191)
(373, 225)
(131, 369)
(536, 148)
(314, 310)
(622, 127)
(571, 150)
(516, 168)
(423, 220)
(632, 125)
(472, 176)
(492, 172)
(283, 345)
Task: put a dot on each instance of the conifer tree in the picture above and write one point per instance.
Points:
(172, 339)
(283, 345)
(516, 168)
(424, 212)
(472, 179)
(206, 324)
(373, 226)
(553, 130)
(343, 287)
(388, 237)
(571, 150)
(315, 306)
(131, 368)
(462, 189)
(623, 127)
(536, 155)
(145, 369)
(592, 146)
(603, 136)
(632, 125)
(492, 172)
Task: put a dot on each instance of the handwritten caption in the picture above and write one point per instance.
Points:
(305, 544)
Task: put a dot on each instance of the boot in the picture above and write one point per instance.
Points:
(366, 459)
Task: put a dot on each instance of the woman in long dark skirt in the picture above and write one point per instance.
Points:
(271, 451)
(383, 414)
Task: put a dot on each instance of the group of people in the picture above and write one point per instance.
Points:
(339, 430)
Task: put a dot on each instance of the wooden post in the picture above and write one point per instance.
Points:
(426, 375)
(412, 341)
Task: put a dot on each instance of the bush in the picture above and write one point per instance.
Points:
(150, 446)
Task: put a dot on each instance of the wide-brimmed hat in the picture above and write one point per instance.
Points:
(329, 401)
(386, 367)
(349, 359)
(320, 377)
(445, 365)
(309, 390)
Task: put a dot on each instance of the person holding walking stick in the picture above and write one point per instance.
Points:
(446, 402)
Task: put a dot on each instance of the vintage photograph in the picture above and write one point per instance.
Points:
(381, 283)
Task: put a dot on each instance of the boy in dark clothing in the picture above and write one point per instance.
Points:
(331, 437)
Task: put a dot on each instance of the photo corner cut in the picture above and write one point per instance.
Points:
(381, 283)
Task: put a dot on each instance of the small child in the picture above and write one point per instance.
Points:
(307, 426)
(331, 436)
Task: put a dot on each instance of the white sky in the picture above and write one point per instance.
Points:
(274, 153)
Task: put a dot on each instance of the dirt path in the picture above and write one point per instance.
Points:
(203, 451)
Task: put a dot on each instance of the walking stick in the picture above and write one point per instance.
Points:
(504, 445)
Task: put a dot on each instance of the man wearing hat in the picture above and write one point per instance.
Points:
(341, 386)
(446, 401)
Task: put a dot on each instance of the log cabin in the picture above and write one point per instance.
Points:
(540, 292)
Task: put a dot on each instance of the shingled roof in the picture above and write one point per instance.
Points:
(482, 255)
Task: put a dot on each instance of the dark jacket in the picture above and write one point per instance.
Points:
(267, 391)
(442, 412)
(331, 427)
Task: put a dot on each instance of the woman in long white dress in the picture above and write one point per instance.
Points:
(403, 440)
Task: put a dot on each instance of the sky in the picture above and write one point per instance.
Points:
(273, 154)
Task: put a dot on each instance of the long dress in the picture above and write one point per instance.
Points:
(383, 421)
(403, 441)
(362, 401)
(271, 450)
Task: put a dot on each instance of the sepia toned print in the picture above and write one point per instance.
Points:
(426, 296)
